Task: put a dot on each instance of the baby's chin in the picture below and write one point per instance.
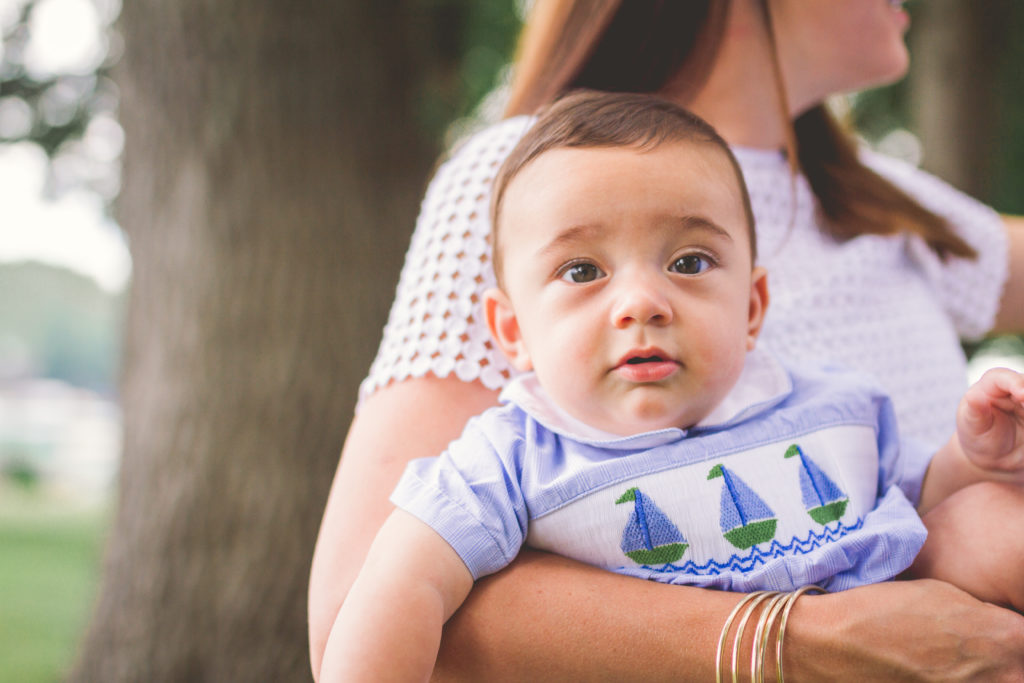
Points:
(633, 424)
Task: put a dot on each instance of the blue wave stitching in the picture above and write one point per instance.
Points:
(746, 563)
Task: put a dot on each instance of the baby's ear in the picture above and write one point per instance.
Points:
(758, 305)
(504, 326)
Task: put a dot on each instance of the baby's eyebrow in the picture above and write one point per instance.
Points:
(575, 234)
(580, 234)
(702, 224)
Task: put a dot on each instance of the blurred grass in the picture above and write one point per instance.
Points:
(49, 567)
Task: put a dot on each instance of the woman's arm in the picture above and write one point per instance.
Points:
(1010, 318)
(548, 618)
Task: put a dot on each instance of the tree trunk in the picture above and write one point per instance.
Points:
(272, 172)
(955, 90)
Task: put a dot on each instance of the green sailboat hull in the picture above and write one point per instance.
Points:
(751, 534)
(661, 555)
(828, 513)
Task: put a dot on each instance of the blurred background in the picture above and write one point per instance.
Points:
(69, 89)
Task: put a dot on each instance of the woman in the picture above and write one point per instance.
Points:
(861, 273)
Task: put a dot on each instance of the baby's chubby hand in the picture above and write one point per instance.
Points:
(990, 422)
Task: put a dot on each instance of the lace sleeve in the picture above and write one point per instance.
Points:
(436, 324)
(971, 290)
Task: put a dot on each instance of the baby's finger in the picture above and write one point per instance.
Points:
(977, 411)
(1002, 382)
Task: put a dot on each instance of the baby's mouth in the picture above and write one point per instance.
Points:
(637, 360)
(647, 365)
(644, 355)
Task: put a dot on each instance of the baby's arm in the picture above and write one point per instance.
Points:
(989, 440)
(389, 627)
(972, 501)
(976, 542)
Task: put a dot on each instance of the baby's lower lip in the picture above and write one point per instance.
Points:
(652, 371)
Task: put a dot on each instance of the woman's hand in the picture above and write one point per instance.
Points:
(903, 631)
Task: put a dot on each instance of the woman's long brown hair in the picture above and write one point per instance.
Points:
(646, 45)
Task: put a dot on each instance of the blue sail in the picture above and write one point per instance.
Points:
(745, 519)
(824, 500)
(650, 537)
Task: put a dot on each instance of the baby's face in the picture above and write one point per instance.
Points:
(629, 283)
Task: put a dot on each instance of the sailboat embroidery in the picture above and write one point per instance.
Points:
(650, 537)
(824, 500)
(746, 520)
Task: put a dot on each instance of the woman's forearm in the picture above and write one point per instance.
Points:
(549, 618)
(546, 618)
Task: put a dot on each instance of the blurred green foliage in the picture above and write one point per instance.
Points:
(61, 105)
(18, 468)
(1008, 164)
(59, 324)
(471, 42)
(880, 111)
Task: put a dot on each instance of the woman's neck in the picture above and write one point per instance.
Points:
(740, 96)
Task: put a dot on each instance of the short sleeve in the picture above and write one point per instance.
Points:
(970, 289)
(902, 461)
(894, 531)
(436, 324)
(470, 494)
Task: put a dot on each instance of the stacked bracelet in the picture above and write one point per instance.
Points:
(761, 636)
(777, 606)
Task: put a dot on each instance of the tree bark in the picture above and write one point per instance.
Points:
(272, 172)
(955, 92)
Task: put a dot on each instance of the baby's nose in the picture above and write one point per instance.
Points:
(641, 302)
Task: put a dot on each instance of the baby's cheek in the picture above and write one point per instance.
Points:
(726, 359)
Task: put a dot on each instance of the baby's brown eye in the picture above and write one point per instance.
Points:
(582, 272)
(691, 264)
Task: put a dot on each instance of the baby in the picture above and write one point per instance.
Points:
(647, 434)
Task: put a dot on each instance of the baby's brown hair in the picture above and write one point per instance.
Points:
(588, 118)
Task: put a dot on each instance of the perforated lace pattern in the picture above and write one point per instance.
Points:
(436, 324)
(886, 305)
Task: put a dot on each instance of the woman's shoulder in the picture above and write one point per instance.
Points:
(465, 173)
(436, 324)
(970, 289)
(932, 191)
(498, 131)
(489, 143)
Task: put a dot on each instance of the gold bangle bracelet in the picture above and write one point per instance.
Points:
(778, 607)
(762, 635)
(741, 627)
(785, 619)
(725, 631)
